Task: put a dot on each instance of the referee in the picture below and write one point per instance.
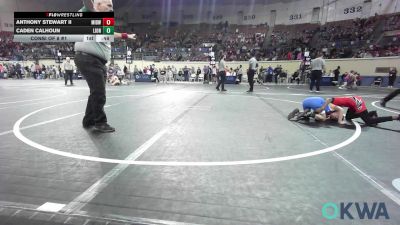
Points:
(69, 70)
(222, 68)
(90, 59)
(317, 66)
(252, 71)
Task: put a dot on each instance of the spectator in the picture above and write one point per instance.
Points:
(358, 79)
(114, 80)
(392, 76)
(186, 73)
(270, 73)
(277, 73)
(198, 72)
(18, 71)
(68, 71)
(240, 73)
(222, 68)
(126, 72)
(214, 74)
(38, 71)
(295, 77)
(155, 74)
(336, 72)
(1, 71)
(207, 74)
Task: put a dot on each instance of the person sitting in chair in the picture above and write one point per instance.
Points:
(295, 77)
(114, 80)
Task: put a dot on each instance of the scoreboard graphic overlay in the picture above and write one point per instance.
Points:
(63, 26)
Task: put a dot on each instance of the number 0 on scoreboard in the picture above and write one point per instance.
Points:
(108, 30)
(108, 21)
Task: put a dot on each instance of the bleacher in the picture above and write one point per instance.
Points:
(372, 37)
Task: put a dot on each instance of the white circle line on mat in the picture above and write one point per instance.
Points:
(20, 136)
(387, 110)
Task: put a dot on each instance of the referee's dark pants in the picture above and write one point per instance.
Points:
(392, 79)
(391, 95)
(19, 74)
(68, 75)
(316, 76)
(250, 78)
(94, 71)
(221, 80)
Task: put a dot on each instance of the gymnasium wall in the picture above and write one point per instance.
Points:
(6, 22)
(260, 12)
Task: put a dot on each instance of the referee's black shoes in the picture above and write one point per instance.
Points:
(103, 128)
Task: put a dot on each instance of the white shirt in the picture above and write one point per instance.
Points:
(68, 66)
(318, 64)
(253, 63)
(221, 65)
(240, 71)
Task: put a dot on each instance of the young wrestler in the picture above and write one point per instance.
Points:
(316, 107)
(357, 109)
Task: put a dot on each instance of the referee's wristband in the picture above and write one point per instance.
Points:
(124, 36)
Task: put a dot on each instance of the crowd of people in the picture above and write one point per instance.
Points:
(18, 51)
(172, 73)
(350, 80)
(207, 73)
(358, 38)
(36, 71)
